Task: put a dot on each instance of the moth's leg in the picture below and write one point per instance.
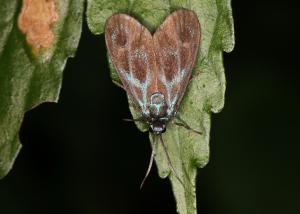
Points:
(140, 119)
(183, 124)
(119, 85)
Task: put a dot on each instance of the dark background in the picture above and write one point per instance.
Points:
(79, 156)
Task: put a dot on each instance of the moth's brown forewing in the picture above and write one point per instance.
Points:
(130, 47)
(176, 44)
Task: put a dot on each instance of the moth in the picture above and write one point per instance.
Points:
(155, 69)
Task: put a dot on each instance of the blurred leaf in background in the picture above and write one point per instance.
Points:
(34, 47)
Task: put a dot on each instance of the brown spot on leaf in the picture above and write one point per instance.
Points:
(35, 21)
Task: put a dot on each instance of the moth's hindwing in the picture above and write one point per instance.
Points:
(130, 47)
(176, 44)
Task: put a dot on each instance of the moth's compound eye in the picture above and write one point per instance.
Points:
(157, 128)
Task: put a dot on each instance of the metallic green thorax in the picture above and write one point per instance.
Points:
(157, 106)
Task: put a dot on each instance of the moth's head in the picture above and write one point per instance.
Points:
(157, 127)
(157, 106)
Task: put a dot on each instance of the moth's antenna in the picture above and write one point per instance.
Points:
(150, 164)
(169, 160)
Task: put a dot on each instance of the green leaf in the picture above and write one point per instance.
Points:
(29, 77)
(205, 93)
